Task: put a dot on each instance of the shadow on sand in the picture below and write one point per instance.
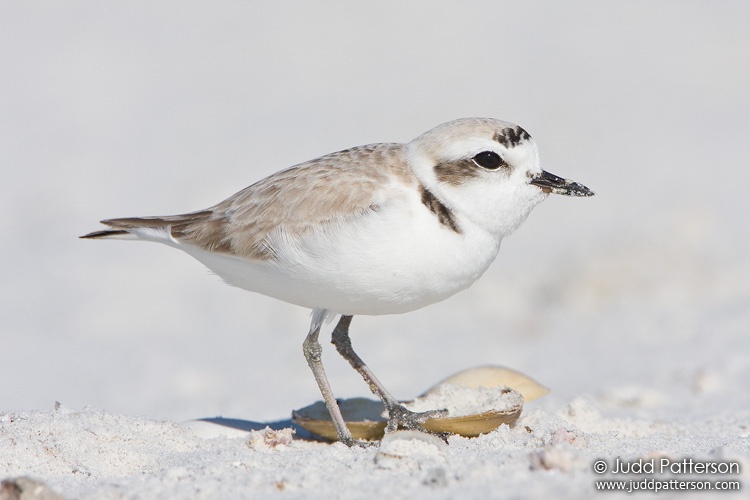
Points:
(235, 424)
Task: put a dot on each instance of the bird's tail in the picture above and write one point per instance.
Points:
(106, 233)
(148, 228)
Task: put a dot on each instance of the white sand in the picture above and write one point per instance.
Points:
(94, 454)
(633, 307)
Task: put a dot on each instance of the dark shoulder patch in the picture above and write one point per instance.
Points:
(443, 213)
(511, 136)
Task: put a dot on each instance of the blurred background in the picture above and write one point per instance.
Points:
(638, 297)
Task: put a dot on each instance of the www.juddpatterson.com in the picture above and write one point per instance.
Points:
(656, 485)
(685, 466)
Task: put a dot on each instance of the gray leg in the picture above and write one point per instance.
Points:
(398, 416)
(311, 348)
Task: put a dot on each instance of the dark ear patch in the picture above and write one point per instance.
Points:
(511, 136)
(456, 172)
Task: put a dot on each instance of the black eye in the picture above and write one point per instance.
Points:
(489, 160)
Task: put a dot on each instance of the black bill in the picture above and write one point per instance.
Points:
(550, 183)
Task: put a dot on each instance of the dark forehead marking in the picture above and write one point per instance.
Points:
(511, 136)
(443, 213)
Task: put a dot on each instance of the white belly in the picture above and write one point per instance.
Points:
(394, 260)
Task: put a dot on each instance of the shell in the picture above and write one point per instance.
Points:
(495, 376)
(364, 417)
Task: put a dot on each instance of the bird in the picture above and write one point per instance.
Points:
(383, 228)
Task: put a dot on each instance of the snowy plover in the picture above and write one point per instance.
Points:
(377, 229)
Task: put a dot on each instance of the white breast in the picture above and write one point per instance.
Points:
(395, 259)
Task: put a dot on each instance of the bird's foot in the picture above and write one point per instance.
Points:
(400, 417)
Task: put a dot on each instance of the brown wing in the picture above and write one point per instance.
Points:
(342, 184)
